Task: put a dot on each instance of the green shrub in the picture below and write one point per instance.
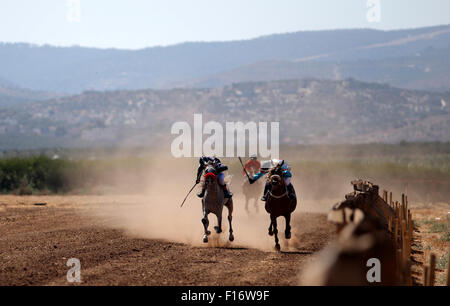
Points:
(25, 175)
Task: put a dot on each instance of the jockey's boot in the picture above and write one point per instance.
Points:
(291, 192)
(266, 190)
(201, 194)
(226, 193)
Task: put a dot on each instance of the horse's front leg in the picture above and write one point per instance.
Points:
(287, 232)
(246, 204)
(270, 228)
(230, 218)
(275, 231)
(218, 228)
(205, 222)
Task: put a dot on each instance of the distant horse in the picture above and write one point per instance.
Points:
(279, 204)
(213, 202)
(251, 191)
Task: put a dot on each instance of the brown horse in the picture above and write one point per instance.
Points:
(279, 204)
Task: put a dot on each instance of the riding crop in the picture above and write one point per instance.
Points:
(188, 194)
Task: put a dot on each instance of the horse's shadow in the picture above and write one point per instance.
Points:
(296, 252)
(217, 242)
(293, 247)
(230, 248)
(225, 247)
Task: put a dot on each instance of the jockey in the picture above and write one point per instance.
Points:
(286, 175)
(252, 165)
(220, 168)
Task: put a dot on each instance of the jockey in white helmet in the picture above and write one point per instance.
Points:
(286, 175)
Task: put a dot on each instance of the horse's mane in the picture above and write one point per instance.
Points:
(211, 164)
(275, 170)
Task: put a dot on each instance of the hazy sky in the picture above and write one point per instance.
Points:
(133, 24)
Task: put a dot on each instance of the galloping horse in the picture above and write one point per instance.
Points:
(279, 204)
(213, 202)
(251, 191)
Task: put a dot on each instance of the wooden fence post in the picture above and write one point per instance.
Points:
(448, 270)
(399, 265)
(431, 274)
(396, 233)
(404, 242)
(425, 275)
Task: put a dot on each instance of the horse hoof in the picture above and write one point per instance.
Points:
(288, 235)
(277, 247)
(231, 238)
(205, 239)
(208, 233)
(270, 233)
(218, 230)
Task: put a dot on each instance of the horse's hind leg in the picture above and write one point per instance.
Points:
(230, 218)
(270, 228)
(256, 204)
(205, 222)
(287, 232)
(275, 231)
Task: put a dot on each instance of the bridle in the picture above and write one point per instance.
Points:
(210, 174)
(281, 182)
(213, 176)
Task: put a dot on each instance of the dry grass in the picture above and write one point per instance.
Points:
(434, 225)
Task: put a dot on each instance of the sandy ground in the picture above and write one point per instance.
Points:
(130, 240)
(430, 221)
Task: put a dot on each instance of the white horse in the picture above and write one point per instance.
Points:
(213, 202)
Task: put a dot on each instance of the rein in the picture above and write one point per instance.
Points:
(278, 197)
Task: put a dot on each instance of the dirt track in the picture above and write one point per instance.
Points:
(36, 242)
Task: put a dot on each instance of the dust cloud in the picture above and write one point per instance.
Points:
(155, 211)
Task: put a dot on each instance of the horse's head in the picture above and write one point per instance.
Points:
(275, 174)
(275, 180)
(210, 174)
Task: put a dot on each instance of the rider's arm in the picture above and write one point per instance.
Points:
(221, 168)
(287, 173)
(258, 175)
(201, 166)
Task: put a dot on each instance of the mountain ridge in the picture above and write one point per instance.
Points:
(75, 69)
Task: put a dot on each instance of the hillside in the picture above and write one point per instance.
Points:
(76, 69)
(309, 111)
(11, 95)
(426, 70)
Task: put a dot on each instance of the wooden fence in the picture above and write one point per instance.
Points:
(402, 229)
(393, 219)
